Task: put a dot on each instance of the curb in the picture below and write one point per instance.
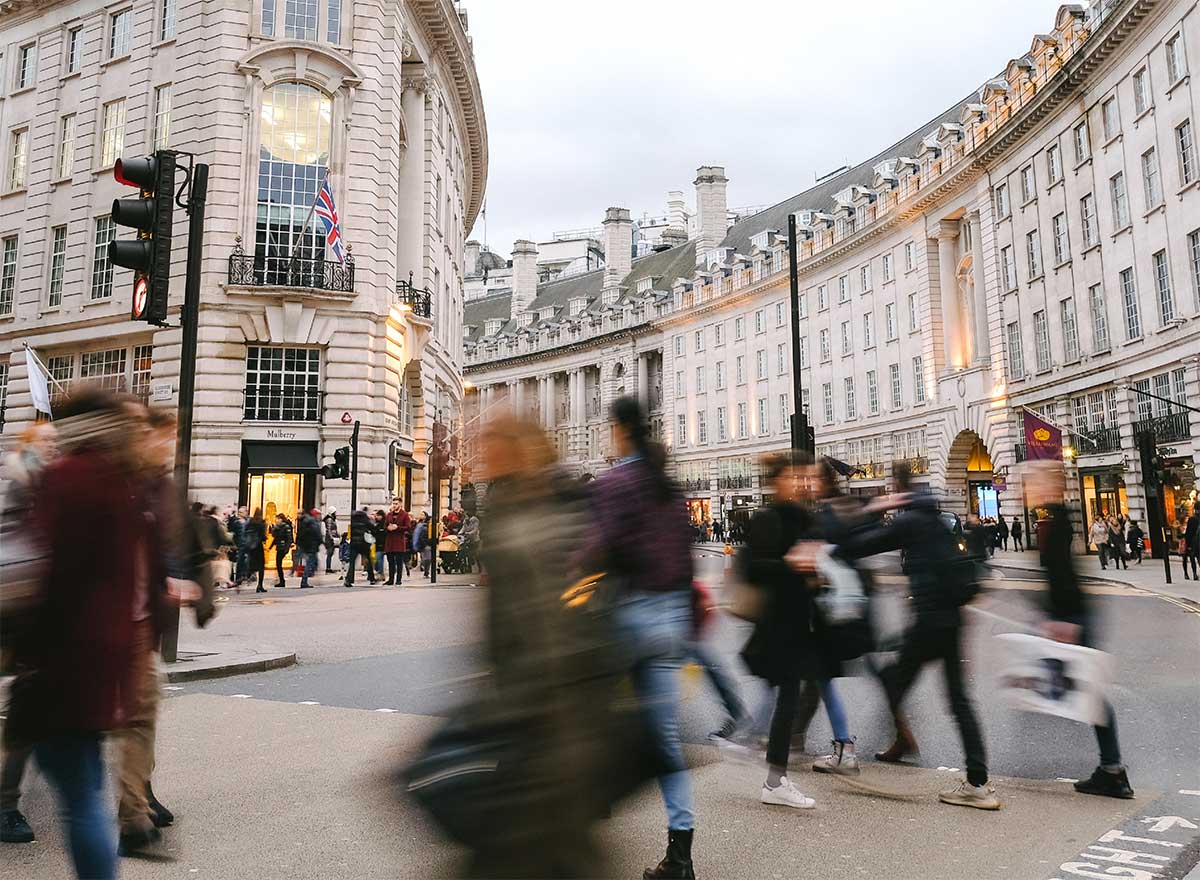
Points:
(263, 664)
(1183, 601)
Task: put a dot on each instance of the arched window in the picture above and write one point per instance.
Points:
(293, 159)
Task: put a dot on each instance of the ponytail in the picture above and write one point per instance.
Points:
(627, 412)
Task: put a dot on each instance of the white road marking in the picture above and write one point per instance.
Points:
(1065, 779)
(173, 687)
(240, 696)
(309, 703)
(387, 710)
(1189, 791)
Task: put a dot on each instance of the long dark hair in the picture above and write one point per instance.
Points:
(627, 412)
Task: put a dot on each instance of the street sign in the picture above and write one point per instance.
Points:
(1000, 482)
(347, 418)
(162, 391)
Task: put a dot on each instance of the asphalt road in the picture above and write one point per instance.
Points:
(290, 773)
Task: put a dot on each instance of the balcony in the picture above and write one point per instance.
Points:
(417, 300)
(1173, 428)
(694, 485)
(305, 273)
(1022, 451)
(743, 481)
(918, 465)
(269, 404)
(873, 470)
(1101, 441)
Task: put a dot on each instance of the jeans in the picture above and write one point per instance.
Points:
(924, 645)
(788, 705)
(395, 561)
(722, 681)
(241, 570)
(310, 566)
(280, 552)
(75, 767)
(655, 628)
(329, 552)
(13, 770)
(379, 557)
(1106, 734)
(357, 550)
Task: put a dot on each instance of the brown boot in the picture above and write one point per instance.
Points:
(905, 744)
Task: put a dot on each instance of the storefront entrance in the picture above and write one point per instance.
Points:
(278, 478)
(1103, 494)
(699, 510)
(1180, 495)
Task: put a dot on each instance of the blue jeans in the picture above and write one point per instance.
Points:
(836, 712)
(75, 767)
(310, 566)
(704, 657)
(655, 628)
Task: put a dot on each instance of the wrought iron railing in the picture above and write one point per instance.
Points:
(308, 273)
(918, 465)
(1173, 428)
(269, 404)
(745, 481)
(418, 299)
(1098, 441)
(694, 485)
(1021, 451)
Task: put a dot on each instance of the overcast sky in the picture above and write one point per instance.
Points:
(591, 104)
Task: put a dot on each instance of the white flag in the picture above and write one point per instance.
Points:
(39, 384)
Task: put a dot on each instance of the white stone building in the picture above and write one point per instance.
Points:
(937, 300)
(274, 95)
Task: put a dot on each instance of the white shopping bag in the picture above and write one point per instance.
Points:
(1054, 678)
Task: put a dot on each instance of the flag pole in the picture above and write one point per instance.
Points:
(1054, 424)
(312, 210)
(30, 352)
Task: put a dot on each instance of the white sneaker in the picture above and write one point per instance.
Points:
(981, 797)
(787, 795)
(843, 761)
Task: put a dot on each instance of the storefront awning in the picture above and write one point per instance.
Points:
(404, 459)
(279, 456)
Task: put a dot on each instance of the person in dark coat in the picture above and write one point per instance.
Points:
(333, 538)
(361, 525)
(397, 526)
(1002, 532)
(1016, 534)
(1136, 539)
(254, 539)
(309, 537)
(282, 535)
(1191, 543)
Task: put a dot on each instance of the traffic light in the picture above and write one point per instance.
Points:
(340, 469)
(151, 214)
(1154, 472)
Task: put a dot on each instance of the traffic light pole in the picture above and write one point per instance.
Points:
(189, 322)
(354, 469)
(799, 417)
(435, 480)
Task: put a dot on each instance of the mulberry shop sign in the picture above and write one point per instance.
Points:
(280, 434)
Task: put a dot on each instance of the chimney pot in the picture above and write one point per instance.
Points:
(618, 243)
(524, 276)
(712, 209)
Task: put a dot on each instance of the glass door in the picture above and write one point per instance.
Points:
(274, 494)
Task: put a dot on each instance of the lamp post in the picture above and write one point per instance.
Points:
(802, 436)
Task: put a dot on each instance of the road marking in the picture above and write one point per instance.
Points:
(309, 703)
(173, 687)
(1065, 779)
(1189, 791)
(240, 696)
(387, 710)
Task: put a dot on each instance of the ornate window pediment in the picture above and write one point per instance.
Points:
(298, 61)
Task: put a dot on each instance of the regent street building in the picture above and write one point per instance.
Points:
(382, 100)
(1034, 247)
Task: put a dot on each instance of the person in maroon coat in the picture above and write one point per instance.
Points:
(82, 643)
(397, 526)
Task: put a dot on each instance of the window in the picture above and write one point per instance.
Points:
(823, 344)
(851, 405)
(681, 430)
(1141, 92)
(889, 320)
(844, 289)
(897, 386)
(26, 66)
(740, 369)
(162, 117)
(803, 352)
(868, 330)
(822, 298)
(781, 360)
(300, 19)
(760, 322)
(698, 338)
(8, 274)
(872, 393)
(864, 278)
(909, 258)
(1187, 152)
(1194, 254)
(1070, 329)
(700, 389)
(827, 400)
(166, 21)
(678, 346)
(701, 428)
(1145, 405)
(1162, 287)
(1016, 359)
(437, 201)
(764, 417)
(1033, 253)
(913, 317)
(1087, 211)
(3, 392)
(282, 384)
(722, 424)
(74, 49)
(268, 17)
(18, 160)
(1062, 246)
(293, 159)
(760, 364)
(333, 26)
(58, 265)
(1083, 143)
(1108, 117)
(1120, 200)
(847, 341)
(143, 365)
(739, 328)
(102, 270)
(104, 368)
(1003, 208)
(680, 384)
(719, 334)
(1133, 316)
(1041, 340)
(1099, 312)
(780, 315)
(887, 268)
(1176, 66)
(1054, 169)
(112, 139)
(743, 423)
(66, 147)
(1150, 178)
(120, 33)
(918, 380)
(720, 379)
(803, 303)
(785, 411)
(60, 368)
(1028, 184)
(1008, 269)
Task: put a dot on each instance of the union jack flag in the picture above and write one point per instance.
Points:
(327, 211)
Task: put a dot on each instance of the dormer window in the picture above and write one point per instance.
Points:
(311, 20)
(577, 305)
(610, 297)
(645, 285)
(492, 326)
(466, 332)
(546, 314)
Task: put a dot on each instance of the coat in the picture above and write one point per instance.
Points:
(360, 523)
(254, 536)
(309, 534)
(396, 540)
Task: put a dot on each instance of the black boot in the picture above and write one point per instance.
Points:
(160, 815)
(677, 863)
(1106, 784)
(905, 744)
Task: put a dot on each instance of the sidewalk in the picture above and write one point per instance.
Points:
(1147, 576)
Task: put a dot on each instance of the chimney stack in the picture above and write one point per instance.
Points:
(618, 242)
(524, 276)
(676, 211)
(712, 211)
(673, 236)
(471, 259)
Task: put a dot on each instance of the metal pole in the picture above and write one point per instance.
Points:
(798, 420)
(435, 479)
(189, 322)
(354, 469)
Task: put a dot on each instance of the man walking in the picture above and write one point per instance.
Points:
(308, 543)
(333, 538)
(360, 547)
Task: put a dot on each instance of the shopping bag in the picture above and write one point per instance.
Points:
(1054, 678)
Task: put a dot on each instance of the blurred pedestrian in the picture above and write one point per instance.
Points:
(362, 537)
(254, 539)
(1002, 532)
(1069, 613)
(281, 540)
(1098, 535)
(470, 540)
(421, 543)
(631, 502)
(1016, 534)
(1136, 538)
(397, 527)
(309, 538)
(1190, 543)
(1117, 543)
(236, 525)
(332, 538)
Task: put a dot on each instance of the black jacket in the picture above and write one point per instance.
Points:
(1065, 599)
(309, 534)
(360, 524)
(281, 536)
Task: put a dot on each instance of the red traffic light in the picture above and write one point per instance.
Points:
(141, 172)
(141, 290)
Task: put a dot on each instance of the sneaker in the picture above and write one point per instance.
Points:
(1105, 784)
(981, 797)
(786, 795)
(843, 761)
(725, 731)
(14, 828)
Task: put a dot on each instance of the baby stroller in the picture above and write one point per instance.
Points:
(452, 555)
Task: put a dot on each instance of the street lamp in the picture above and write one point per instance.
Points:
(802, 434)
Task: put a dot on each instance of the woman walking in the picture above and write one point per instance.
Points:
(1191, 543)
(254, 536)
(281, 541)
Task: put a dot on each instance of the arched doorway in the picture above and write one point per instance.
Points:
(970, 485)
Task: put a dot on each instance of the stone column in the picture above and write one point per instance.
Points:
(947, 239)
(518, 401)
(551, 403)
(643, 379)
(982, 344)
(578, 413)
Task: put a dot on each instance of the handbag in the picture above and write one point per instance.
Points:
(747, 601)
